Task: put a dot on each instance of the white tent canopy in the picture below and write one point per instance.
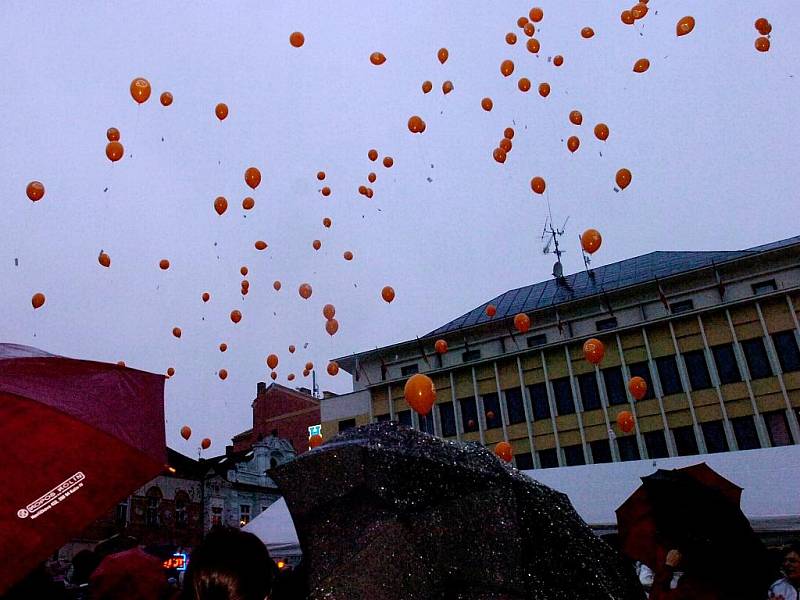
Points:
(275, 528)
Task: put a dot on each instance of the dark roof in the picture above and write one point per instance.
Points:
(608, 278)
(183, 465)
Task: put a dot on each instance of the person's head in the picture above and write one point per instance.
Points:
(229, 564)
(791, 562)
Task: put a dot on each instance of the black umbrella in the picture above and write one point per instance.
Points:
(385, 512)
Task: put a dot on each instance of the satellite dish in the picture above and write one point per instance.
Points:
(558, 270)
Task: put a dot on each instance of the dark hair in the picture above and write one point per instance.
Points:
(793, 547)
(229, 564)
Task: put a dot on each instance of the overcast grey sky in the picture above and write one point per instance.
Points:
(710, 134)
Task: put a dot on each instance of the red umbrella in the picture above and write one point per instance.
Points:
(77, 437)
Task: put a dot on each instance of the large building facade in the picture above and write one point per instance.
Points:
(714, 334)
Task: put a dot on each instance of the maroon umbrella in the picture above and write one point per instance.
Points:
(75, 438)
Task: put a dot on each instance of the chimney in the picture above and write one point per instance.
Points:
(326, 394)
(261, 388)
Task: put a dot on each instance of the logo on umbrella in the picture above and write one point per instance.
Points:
(47, 501)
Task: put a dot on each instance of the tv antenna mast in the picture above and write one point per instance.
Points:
(551, 234)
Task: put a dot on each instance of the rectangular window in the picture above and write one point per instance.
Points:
(642, 369)
(606, 324)
(469, 414)
(697, 369)
(562, 391)
(590, 393)
(778, 428)
(404, 417)
(656, 444)
(668, 375)
(448, 419)
(714, 434)
(151, 514)
(628, 448)
(383, 417)
(181, 516)
(409, 370)
(491, 410)
(727, 367)
(615, 386)
(216, 516)
(471, 355)
(764, 287)
(537, 340)
(244, 514)
(539, 402)
(757, 361)
(787, 350)
(744, 428)
(524, 461)
(601, 451)
(682, 306)
(548, 459)
(574, 455)
(515, 405)
(685, 441)
(346, 424)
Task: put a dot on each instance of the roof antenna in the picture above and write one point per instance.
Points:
(551, 234)
(587, 260)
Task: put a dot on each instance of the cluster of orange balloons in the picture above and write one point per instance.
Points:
(416, 124)
(629, 17)
(114, 148)
(764, 28)
(504, 147)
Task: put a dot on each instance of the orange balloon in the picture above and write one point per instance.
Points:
(601, 131)
(372, 177)
(236, 316)
(305, 372)
(223, 374)
(376, 58)
(297, 39)
(641, 65)
(388, 161)
(316, 244)
(309, 366)
(166, 99)
(685, 25)
(487, 104)
(163, 264)
(176, 331)
(305, 291)
(170, 372)
(252, 177)
(332, 326)
(533, 45)
(320, 175)
(522, 21)
(594, 350)
(529, 29)
(112, 134)
(120, 363)
(362, 189)
(443, 55)
(505, 145)
(440, 346)
(573, 143)
(35, 191)
(206, 443)
(104, 259)
(575, 117)
(245, 284)
(114, 151)
(491, 310)
(140, 90)
(623, 178)
(760, 24)
(504, 451)
(415, 124)
(522, 322)
(348, 255)
(544, 90)
(220, 205)
(273, 375)
(261, 245)
(221, 110)
(272, 361)
(427, 86)
(499, 155)
(333, 368)
(524, 84)
(420, 393)
(373, 155)
(587, 32)
(762, 44)
(627, 17)
(315, 440)
(223, 347)
(536, 14)
(639, 11)
(447, 87)
(507, 67)
(290, 377)
(637, 387)
(511, 39)
(276, 284)
(291, 348)
(206, 296)
(558, 60)
(245, 291)
(369, 192)
(37, 300)
(328, 311)
(186, 432)
(325, 191)
(326, 222)
(625, 421)
(387, 293)
(538, 185)
(248, 203)
(591, 240)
